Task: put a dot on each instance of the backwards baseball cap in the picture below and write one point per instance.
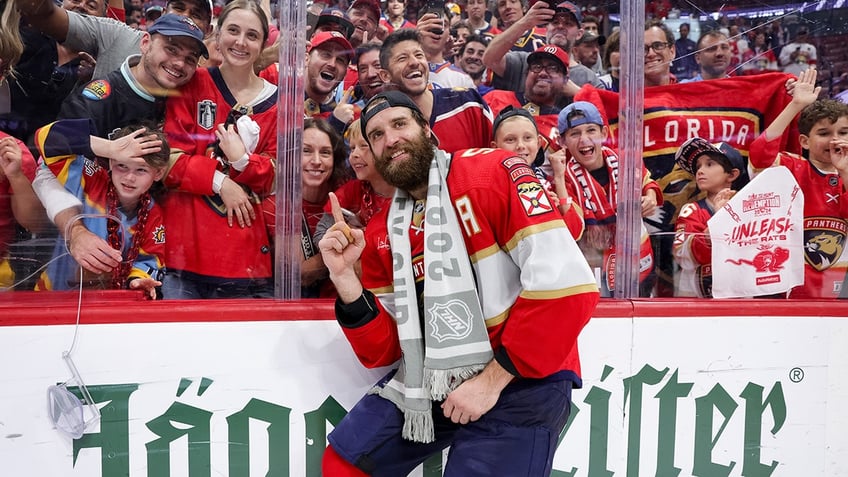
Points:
(568, 7)
(206, 5)
(383, 101)
(550, 51)
(688, 153)
(153, 12)
(324, 37)
(511, 112)
(172, 24)
(374, 5)
(578, 113)
(334, 16)
(589, 37)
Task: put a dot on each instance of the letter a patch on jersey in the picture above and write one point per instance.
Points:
(206, 110)
(533, 198)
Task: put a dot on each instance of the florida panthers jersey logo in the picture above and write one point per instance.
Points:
(206, 111)
(159, 234)
(824, 240)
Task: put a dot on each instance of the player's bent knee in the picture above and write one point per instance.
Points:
(333, 465)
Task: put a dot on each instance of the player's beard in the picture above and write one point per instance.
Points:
(412, 173)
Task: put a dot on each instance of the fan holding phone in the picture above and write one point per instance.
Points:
(433, 29)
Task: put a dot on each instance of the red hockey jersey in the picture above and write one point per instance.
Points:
(535, 287)
(825, 219)
(200, 241)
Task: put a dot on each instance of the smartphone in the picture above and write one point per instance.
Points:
(436, 7)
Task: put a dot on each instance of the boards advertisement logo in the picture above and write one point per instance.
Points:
(663, 396)
(262, 428)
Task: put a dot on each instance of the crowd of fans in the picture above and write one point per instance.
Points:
(96, 84)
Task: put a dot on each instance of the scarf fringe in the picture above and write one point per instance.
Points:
(443, 381)
(418, 426)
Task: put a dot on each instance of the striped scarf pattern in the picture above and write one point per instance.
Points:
(455, 343)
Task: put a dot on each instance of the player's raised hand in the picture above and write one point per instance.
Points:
(341, 245)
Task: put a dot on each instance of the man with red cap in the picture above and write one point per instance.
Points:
(510, 67)
(326, 65)
(459, 117)
(333, 19)
(543, 90)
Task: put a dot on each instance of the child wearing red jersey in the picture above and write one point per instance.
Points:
(822, 173)
(222, 127)
(593, 170)
(719, 172)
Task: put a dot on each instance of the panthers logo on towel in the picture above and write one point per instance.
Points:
(533, 198)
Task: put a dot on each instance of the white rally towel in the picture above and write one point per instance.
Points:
(758, 238)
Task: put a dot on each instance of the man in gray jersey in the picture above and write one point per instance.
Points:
(109, 41)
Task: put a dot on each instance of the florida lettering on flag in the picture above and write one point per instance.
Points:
(732, 110)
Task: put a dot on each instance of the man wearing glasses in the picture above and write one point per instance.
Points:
(563, 29)
(543, 90)
(659, 53)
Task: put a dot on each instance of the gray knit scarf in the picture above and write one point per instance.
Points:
(455, 345)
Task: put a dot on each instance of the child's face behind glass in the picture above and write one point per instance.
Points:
(822, 134)
(132, 177)
(518, 135)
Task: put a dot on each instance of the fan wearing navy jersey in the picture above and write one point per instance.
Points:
(170, 50)
(458, 117)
